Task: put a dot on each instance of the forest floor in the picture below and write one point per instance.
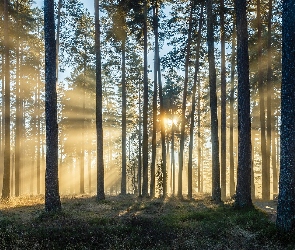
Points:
(127, 222)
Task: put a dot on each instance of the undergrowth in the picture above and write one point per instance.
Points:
(126, 222)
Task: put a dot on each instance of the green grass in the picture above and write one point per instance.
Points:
(125, 222)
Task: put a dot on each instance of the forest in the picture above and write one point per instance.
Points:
(173, 103)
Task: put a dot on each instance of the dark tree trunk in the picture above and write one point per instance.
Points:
(52, 199)
(18, 118)
(286, 202)
(265, 170)
(183, 109)
(192, 115)
(6, 174)
(172, 154)
(216, 193)
(99, 128)
(163, 134)
(268, 95)
(139, 142)
(145, 109)
(123, 180)
(243, 191)
(155, 104)
(231, 131)
(223, 103)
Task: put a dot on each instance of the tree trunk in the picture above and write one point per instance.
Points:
(183, 109)
(52, 199)
(145, 109)
(99, 128)
(155, 104)
(216, 193)
(268, 91)
(18, 118)
(265, 171)
(192, 115)
(243, 191)
(286, 202)
(223, 103)
(139, 142)
(231, 132)
(123, 180)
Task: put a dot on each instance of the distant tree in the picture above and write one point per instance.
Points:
(52, 199)
(243, 190)
(231, 115)
(99, 128)
(286, 202)
(216, 194)
(192, 115)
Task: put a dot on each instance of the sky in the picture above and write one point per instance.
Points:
(89, 4)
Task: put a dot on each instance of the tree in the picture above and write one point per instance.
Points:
(145, 109)
(243, 190)
(192, 115)
(99, 128)
(183, 109)
(231, 119)
(286, 201)
(216, 194)
(223, 103)
(261, 88)
(6, 175)
(52, 199)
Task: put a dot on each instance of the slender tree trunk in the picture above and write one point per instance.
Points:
(200, 189)
(274, 157)
(155, 104)
(286, 202)
(123, 180)
(265, 171)
(223, 103)
(172, 154)
(268, 91)
(145, 109)
(243, 191)
(231, 131)
(99, 128)
(163, 134)
(192, 115)
(52, 199)
(216, 193)
(18, 120)
(139, 142)
(6, 174)
(183, 109)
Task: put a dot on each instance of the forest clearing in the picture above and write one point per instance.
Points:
(128, 222)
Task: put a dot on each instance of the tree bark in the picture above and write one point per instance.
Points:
(231, 132)
(286, 202)
(216, 193)
(183, 109)
(99, 127)
(155, 104)
(52, 199)
(223, 103)
(123, 180)
(243, 191)
(145, 109)
(269, 93)
(192, 115)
